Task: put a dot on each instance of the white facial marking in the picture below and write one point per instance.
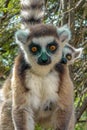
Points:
(43, 40)
(32, 59)
(66, 51)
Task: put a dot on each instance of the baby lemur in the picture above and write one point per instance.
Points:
(40, 87)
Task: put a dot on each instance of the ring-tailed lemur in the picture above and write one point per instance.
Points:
(41, 88)
(70, 54)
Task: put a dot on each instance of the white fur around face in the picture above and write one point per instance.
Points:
(42, 89)
(43, 40)
(32, 60)
(67, 51)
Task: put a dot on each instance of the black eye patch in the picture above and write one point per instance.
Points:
(68, 56)
(34, 48)
(52, 47)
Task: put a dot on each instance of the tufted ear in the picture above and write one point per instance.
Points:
(78, 53)
(64, 34)
(22, 36)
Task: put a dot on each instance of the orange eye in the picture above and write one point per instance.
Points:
(52, 48)
(34, 49)
(68, 56)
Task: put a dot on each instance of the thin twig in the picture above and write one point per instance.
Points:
(82, 121)
(77, 5)
(81, 110)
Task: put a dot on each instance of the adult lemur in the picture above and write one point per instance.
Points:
(41, 88)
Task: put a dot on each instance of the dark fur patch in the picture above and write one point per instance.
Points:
(22, 65)
(59, 68)
(63, 60)
(42, 30)
(31, 20)
(37, 5)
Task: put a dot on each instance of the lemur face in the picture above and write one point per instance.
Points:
(43, 50)
(42, 45)
(70, 54)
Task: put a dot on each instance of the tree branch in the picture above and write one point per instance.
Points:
(78, 5)
(82, 121)
(6, 3)
(81, 110)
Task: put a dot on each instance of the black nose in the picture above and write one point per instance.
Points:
(44, 62)
(63, 60)
(44, 59)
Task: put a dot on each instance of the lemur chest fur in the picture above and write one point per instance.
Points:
(42, 89)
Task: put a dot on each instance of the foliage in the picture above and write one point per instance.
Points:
(9, 22)
(58, 12)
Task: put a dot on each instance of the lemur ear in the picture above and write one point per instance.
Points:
(78, 53)
(22, 36)
(64, 34)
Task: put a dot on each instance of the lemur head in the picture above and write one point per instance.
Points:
(42, 46)
(70, 54)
